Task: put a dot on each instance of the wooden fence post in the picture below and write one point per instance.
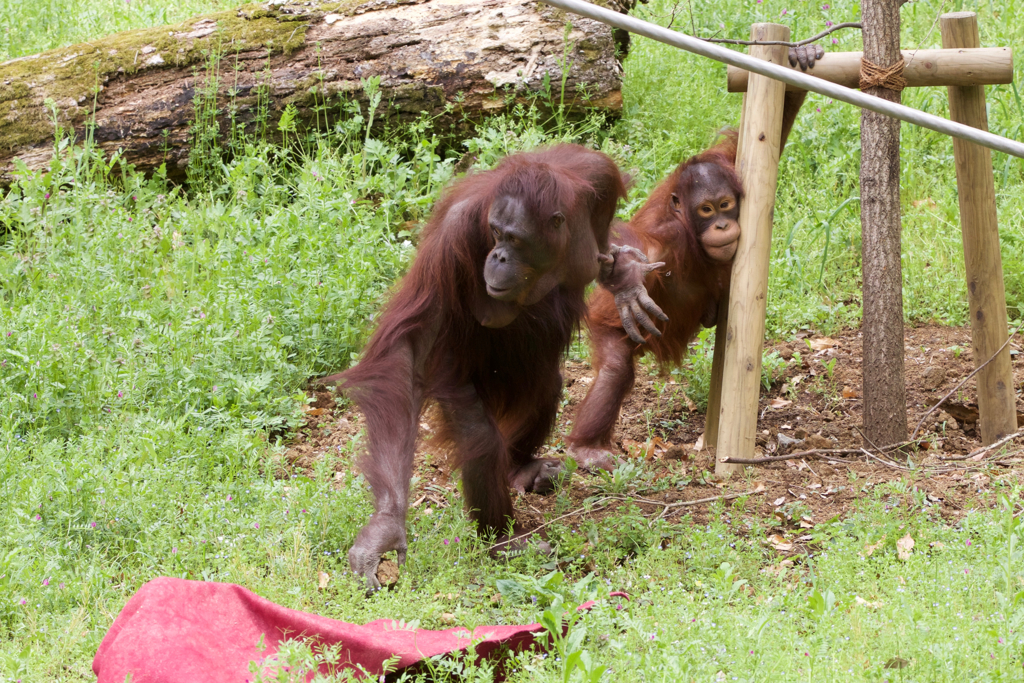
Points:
(717, 370)
(721, 330)
(987, 297)
(758, 166)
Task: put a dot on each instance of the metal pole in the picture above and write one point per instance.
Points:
(791, 76)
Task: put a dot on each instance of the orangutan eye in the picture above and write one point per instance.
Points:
(706, 210)
(727, 205)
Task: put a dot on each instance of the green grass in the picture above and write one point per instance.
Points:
(29, 27)
(154, 345)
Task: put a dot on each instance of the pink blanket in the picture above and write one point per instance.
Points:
(178, 631)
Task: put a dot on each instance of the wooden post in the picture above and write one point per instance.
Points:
(717, 368)
(721, 330)
(976, 189)
(758, 166)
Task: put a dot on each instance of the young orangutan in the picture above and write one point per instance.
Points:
(479, 326)
(690, 227)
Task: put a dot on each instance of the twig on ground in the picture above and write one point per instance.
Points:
(700, 501)
(984, 449)
(806, 41)
(964, 381)
(884, 462)
(811, 469)
(594, 507)
(875, 446)
(815, 452)
(602, 503)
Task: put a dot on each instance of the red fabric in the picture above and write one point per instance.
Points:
(178, 631)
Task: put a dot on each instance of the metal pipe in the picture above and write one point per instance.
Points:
(791, 76)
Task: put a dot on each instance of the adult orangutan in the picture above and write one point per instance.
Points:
(479, 326)
(690, 225)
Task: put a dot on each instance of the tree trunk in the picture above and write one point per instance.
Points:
(456, 60)
(885, 401)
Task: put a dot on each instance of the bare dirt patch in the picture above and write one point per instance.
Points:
(815, 403)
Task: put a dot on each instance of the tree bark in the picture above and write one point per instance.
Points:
(456, 60)
(885, 401)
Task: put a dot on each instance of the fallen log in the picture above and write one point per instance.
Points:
(456, 60)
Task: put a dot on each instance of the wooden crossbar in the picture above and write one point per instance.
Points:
(923, 68)
(790, 76)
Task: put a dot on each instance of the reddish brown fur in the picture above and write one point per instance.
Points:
(498, 389)
(683, 288)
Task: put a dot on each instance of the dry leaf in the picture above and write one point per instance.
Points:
(850, 392)
(814, 486)
(864, 603)
(338, 476)
(314, 412)
(897, 663)
(699, 446)
(388, 573)
(758, 487)
(869, 549)
(822, 343)
(904, 547)
(779, 543)
(938, 545)
(690, 405)
(448, 617)
(324, 579)
(805, 539)
(419, 500)
(635, 449)
(779, 501)
(818, 441)
(780, 403)
(778, 569)
(806, 522)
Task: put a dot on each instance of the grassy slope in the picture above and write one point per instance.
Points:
(150, 342)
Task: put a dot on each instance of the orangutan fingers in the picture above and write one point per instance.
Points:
(644, 319)
(634, 251)
(651, 267)
(629, 325)
(654, 309)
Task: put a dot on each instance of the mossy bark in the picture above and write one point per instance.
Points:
(457, 60)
